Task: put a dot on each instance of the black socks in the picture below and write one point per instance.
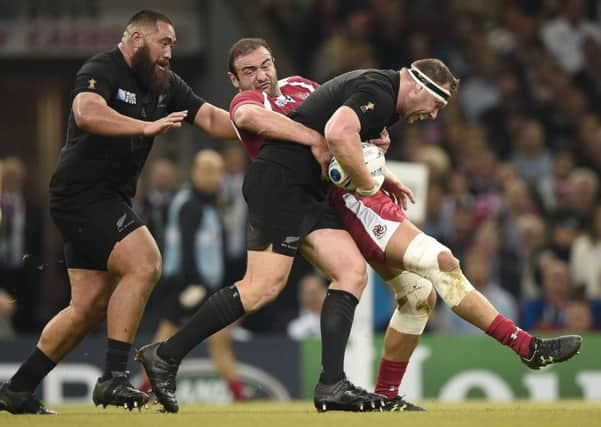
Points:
(32, 372)
(117, 356)
(221, 309)
(336, 320)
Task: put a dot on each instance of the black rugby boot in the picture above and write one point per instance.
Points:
(161, 374)
(545, 351)
(345, 396)
(399, 404)
(118, 391)
(21, 402)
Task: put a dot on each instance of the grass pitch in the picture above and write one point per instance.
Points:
(302, 414)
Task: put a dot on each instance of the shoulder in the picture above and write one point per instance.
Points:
(101, 61)
(298, 81)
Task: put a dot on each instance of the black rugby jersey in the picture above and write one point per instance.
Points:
(93, 167)
(372, 94)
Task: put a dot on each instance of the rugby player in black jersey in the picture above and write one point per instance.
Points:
(122, 99)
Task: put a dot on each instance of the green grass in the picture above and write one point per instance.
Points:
(302, 414)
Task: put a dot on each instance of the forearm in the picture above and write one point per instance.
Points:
(274, 126)
(99, 119)
(346, 148)
(215, 122)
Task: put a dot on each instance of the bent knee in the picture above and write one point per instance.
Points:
(256, 294)
(149, 271)
(447, 262)
(432, 299)
(89, 315)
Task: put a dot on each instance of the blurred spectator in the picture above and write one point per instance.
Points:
(21, 233)
(548, 312)
(583, 193)
(317, 22)
(553, 189)
(347, 50)
(532, 160)
(390, 32)
(532, 235)
(479, 92)
(477, 266)
(156, 198)
(436, 224)
(585, 258)
(582, 314)
(589, 78)
(7, 309)
(564, 36)
(312, 290)
(233, 209)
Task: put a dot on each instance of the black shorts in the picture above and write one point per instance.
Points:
(282, 211)
(91, 231)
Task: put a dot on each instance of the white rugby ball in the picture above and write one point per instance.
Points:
(374, 160)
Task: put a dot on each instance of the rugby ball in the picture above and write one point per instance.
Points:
(374, 160)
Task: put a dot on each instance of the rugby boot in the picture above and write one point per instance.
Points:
(21, 402)
(118, 391)
(161, 374)
(399, 404)
(545, 351)
(345, 396)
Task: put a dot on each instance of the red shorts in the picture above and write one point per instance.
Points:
(371, 221)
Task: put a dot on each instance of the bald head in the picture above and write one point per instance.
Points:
(207, 171)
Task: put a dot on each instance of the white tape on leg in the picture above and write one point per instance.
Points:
(411, 293)
(421, 257)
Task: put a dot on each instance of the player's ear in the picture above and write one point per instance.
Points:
(138, 39)
(417, 89)
(234, 79)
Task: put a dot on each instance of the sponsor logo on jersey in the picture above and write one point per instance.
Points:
(367, 107)
(379, 230)
(162, 98)
(121, 225)
(125, 96)
(283, 100)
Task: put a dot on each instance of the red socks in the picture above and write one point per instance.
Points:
(237, 389)
(504, 330)
(390, 376)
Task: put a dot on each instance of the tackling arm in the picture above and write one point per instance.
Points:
(272, 125)
(215, 122)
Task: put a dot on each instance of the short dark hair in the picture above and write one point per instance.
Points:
(149, 18)
(437, 71)
(243, 47)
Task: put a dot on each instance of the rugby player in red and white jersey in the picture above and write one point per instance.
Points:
(372, 222)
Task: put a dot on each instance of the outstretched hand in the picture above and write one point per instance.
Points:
(165, 124)
(399, 191)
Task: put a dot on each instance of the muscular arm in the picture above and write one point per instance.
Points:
(344, 141)
(272, 125)
(215, 122)
(93, 115)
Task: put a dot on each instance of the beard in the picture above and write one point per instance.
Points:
(148, 73)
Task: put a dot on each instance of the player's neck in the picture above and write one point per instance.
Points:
(126, 52)
(401, 95)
